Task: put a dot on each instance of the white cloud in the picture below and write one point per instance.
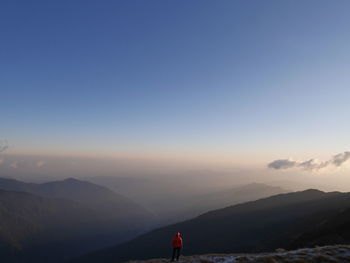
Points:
(312, 164)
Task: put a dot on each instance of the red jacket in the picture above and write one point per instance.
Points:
(177, 240)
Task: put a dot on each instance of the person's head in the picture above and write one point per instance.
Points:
(177, 234)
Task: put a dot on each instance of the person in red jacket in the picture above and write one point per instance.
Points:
(177, 245)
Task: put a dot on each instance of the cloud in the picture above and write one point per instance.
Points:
(3, 145)
(312, 164)
(282, 164)
(340, 158)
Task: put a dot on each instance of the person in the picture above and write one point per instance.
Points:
(177, 245)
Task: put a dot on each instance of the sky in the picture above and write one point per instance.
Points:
(241, 82)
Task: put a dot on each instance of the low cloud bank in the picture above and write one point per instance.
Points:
(312, 164)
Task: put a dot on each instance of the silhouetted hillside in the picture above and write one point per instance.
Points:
(35, 229)
(333, 229)
(261, 225)
(70, 216)
(220, 199)
(99, 198)
(96, 197)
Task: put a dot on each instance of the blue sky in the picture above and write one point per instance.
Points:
(235, 80)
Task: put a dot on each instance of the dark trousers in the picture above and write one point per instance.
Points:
(176, 253)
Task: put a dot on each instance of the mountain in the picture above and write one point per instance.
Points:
(164, 196)
(256, 226)
(177, 199)
(334, 229)
(75, 215)
(220, 199)
(38, 229)
(96, 197)
(101, 199)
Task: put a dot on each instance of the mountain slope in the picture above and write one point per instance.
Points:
(99, 198)
(236, 195)
(177, 199)
(261, 225)
(30, 224)
(334, 229)
(96, 197)
(86, 217)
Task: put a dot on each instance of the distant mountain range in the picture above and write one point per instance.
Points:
(284, 220)
(178, 199)
(96, 197)
(60, 220)
(53, 221)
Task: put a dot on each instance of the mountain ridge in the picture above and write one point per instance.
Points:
(70, 217)
(254, 226)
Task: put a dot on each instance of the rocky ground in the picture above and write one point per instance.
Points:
(326, 254)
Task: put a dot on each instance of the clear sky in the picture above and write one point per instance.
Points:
(243, 81)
